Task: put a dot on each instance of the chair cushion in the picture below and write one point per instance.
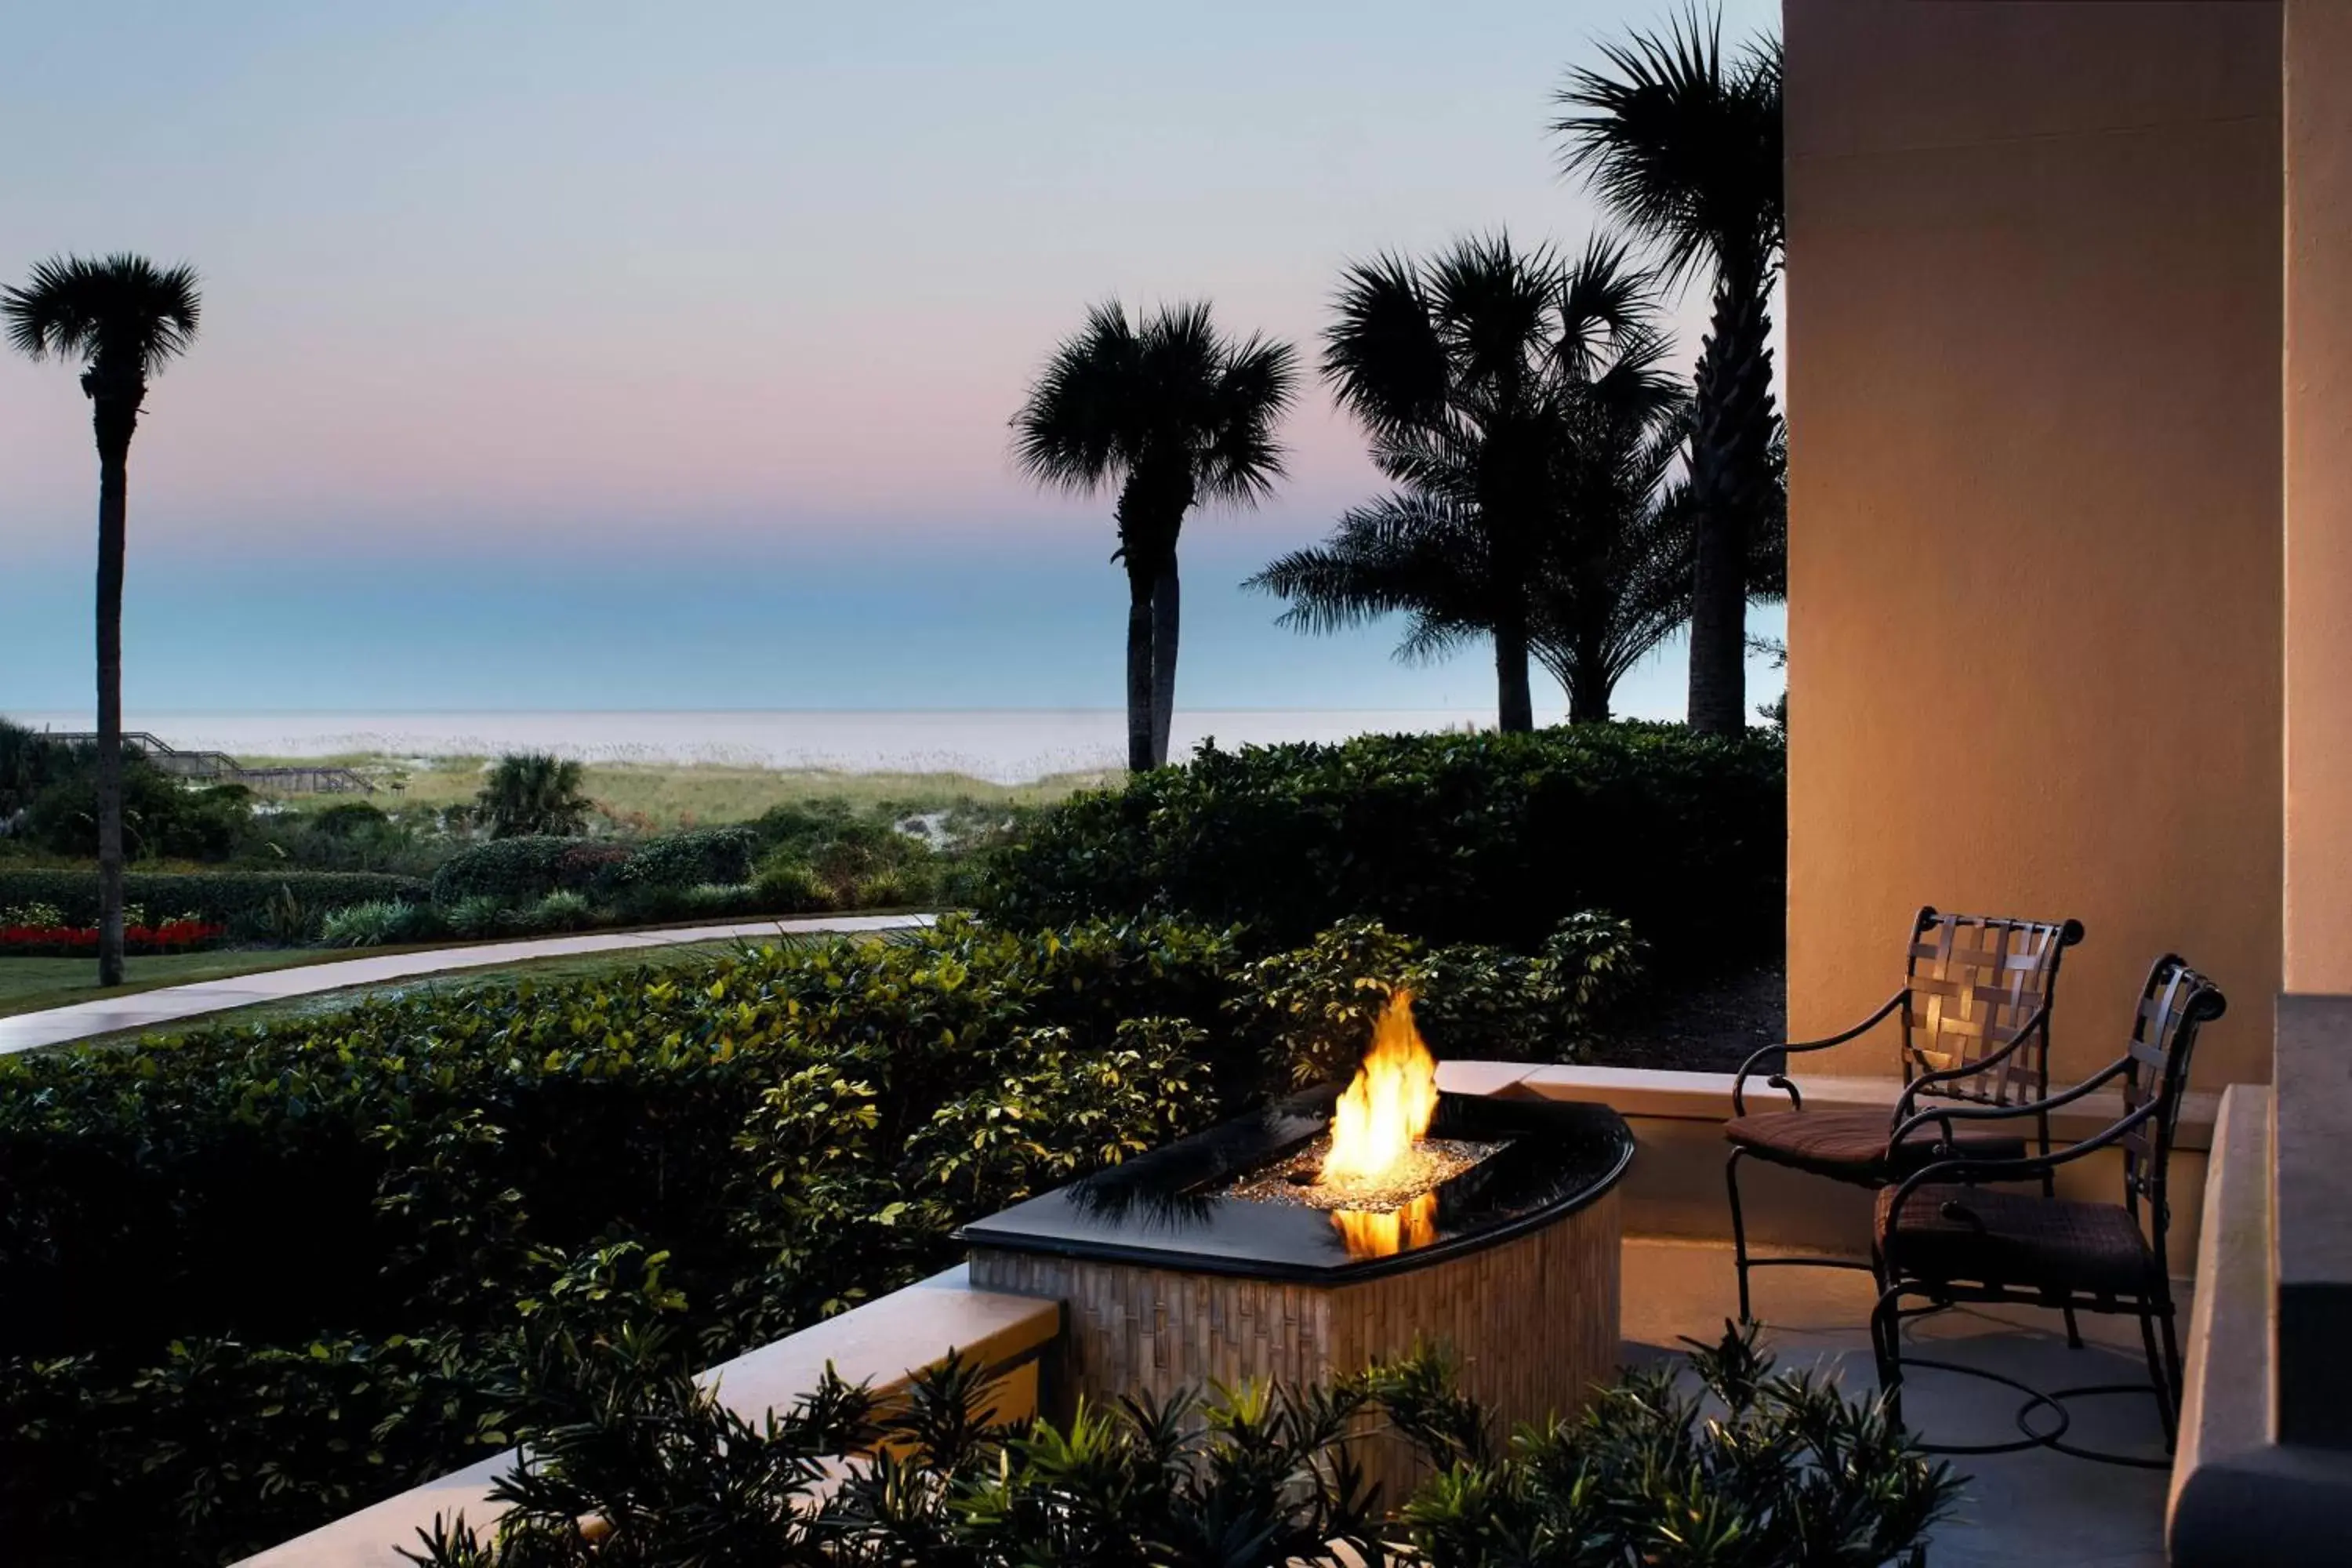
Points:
(2010, 1238)
(1850, 1146)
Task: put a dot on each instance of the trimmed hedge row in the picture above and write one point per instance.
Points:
(1487, 838)
(525, 869)
(246, 901)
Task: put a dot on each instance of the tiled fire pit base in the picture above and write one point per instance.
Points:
(1166, 1289)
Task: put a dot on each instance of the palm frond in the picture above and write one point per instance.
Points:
(1683, 147)
(122, 314)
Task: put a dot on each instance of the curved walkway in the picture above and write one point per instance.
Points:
(173, 1003)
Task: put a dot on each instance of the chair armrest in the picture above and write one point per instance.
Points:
(1779, 1080)
(1944, 1116)
(2032, 1165)
(2038, 1024)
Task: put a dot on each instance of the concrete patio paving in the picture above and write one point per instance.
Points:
(177, 1004)
(2031, 1507)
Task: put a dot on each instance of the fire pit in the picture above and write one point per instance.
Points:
(1336, 1228)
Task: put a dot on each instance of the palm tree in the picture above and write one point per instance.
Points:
(532, 791)
(1684, 149)
(1174, 413)
(124, 318)
(1470, 372)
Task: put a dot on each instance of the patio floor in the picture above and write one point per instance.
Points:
(2036, 1506)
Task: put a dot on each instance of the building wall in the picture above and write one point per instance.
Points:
(2033, 347)
(2318, 416)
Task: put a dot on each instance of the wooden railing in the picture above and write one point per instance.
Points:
(222, 767)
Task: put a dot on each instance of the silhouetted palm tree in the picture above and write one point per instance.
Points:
(532, 791)
(124, 318)
(1487, 377)
(1684, 149)
(1173, 413)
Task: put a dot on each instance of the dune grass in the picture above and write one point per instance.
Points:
(677, 795)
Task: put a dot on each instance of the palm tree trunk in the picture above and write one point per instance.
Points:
(1139, 665)
(1729, 475)
(114, 419)
(1588, 696)
(1515, 704)
(1166, 615)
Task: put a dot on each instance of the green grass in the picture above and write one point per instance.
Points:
(672, 794)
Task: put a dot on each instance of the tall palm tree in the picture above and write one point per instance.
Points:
(124, 318)
(1174, 413)
(1475, 373)
(1684, 147)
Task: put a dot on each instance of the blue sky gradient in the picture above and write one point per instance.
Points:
(591, 355)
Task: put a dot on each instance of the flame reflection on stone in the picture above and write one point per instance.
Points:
(1384, 1234)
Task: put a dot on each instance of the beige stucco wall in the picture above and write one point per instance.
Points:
(2033, 349)
(2318, 416)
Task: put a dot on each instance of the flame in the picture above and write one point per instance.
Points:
(1366, 1234)
(1387, 1108)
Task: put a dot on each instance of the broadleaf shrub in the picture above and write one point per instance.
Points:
(523, 870)
(487, 1179)
(699, 856)
(1487, 838)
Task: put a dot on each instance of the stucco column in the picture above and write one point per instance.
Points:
(2318, 440)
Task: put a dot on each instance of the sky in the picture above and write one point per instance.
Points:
(586, 355)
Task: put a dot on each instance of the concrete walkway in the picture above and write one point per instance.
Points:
(175, 1004)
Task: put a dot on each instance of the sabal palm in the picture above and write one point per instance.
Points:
(1684, 147)
(1471, 373)
(124, 318)
(1174, 413)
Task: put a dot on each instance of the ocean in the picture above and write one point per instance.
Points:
(1006, 745)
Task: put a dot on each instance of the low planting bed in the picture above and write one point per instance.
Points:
(257, 1278)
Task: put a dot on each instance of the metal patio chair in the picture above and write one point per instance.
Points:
(1975, 1027)
(1944, 1239)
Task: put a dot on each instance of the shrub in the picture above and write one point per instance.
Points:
(481, 915)
(1315, 1006)
(532, 794)
(788, 885)
(888, 888)
(1449, 838)
(362, 925)
(1794, 1473)
(31, 762)
(162, 816)
(789, 1129)
(347, 818)
(695, 857)
(238, 900)
(563, 911)
(520, 871)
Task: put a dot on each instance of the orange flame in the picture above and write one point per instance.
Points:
(1387, 1108)
(1366, 1234)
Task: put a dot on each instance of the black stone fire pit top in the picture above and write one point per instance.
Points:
(1170, 1209)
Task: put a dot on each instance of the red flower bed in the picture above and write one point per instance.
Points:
(171, 936)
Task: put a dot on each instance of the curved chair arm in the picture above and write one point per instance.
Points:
(2032, 1165)
(1943, 1116)
(2038, 1024)
(1779, 1080)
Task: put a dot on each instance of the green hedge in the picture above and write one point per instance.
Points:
(523, 871)
(247, 903)
(477, 1182)
(1486, 839)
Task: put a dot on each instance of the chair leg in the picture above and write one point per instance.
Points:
(2073, 1330)
(1738, 1233)
(2159, 1376)
(2172, 1379)
(1886, 1349)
